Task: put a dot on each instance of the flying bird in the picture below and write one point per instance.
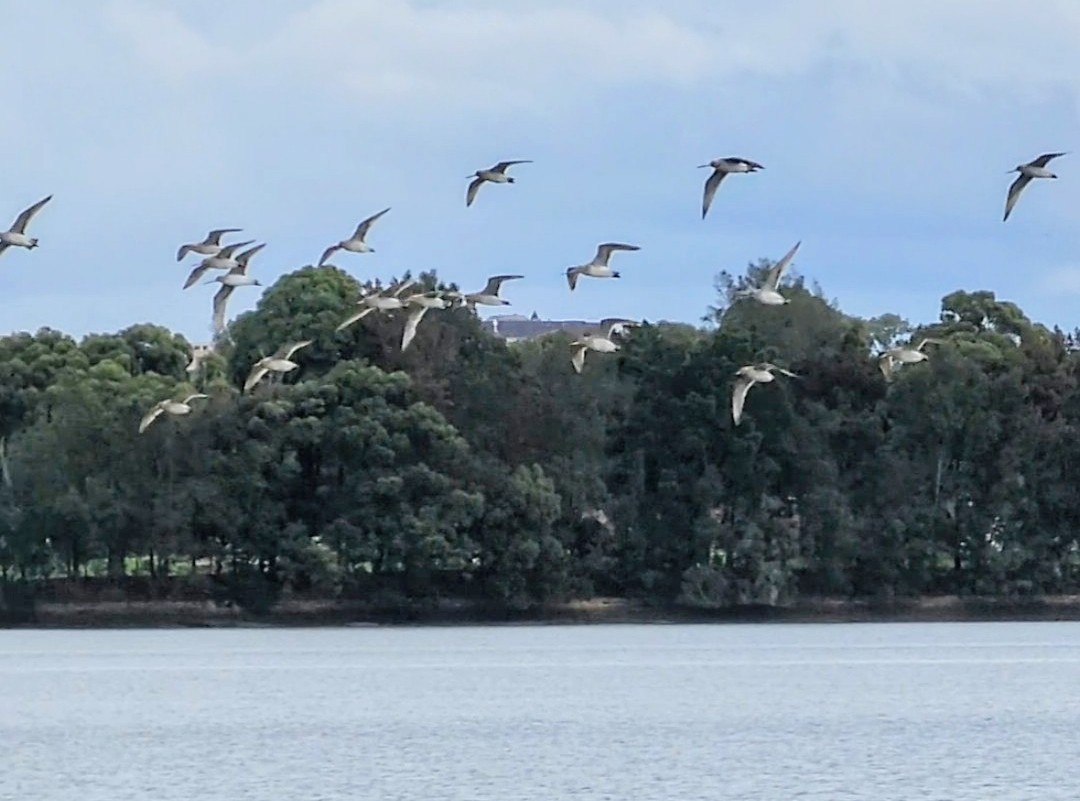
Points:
(355, 243)
(199, 354)
(599, 340)
(279, 362)
(222, 260)
(496, 175)
(235, 277)
(892, 357)
(16, 235)
(378, 300)
(209, 246)
(419, 305)
(598, 267)
(168, 406)
(721, 167)
(746, 377)
(1033, 169)
(488, 296)
(769, 291)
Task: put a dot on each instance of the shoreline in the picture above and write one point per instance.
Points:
(315, 613)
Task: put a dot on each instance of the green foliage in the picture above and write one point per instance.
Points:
(468, 467)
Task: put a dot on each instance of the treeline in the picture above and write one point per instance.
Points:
(469, 468)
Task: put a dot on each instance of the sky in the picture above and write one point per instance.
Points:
(886, 131)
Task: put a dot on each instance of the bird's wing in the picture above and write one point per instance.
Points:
(196, 274)
(288, 349)
(245, 257)
(152, 415)
(604, 251)
(474, 187)
(931, 341)
(502, 165)
(712, 183)
(1014, 193)
(4, 246)
(572, 274)
(496, 281)
(411, 322)
(1045, 159)
(221, 297)
(362, 228)
(364, 312)
(609, 324)
(395, 290)
(738, 397)
(885, 364)
(255, 376)
(577, 357)
(194, 396)
(184, 250)
(227, 251)
(214, 237)
(330, 251)
(747, 162)
(24, 219)
(776, 272)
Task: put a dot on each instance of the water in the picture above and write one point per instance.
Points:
(890, 711)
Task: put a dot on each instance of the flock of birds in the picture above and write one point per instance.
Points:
(602, 339)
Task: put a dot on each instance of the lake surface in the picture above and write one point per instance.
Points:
(635, 713)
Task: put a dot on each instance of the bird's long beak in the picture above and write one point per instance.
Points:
(702, 165)
(211, 281)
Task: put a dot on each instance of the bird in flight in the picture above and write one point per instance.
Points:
(598, 267)
(495, 175)
(1036, 168)
(355, 243)
(16, 236)
(745, 378)
(210, 246)
(721, 167)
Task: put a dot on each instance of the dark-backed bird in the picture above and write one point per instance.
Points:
(722, 167)
(495, 175)
(1036, 168)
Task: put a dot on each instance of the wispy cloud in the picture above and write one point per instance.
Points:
(400, 52)
(499, 53)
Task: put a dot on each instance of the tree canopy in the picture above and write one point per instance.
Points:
(469, 467)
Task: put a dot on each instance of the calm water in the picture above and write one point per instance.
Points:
(891, 711)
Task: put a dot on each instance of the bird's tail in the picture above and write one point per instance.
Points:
(33, 243)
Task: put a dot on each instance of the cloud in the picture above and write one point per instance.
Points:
(407, 55)
(401, 52)
(152, 121)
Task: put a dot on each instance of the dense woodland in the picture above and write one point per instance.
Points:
(469, 468)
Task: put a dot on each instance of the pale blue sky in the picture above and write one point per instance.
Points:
(886, 130)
